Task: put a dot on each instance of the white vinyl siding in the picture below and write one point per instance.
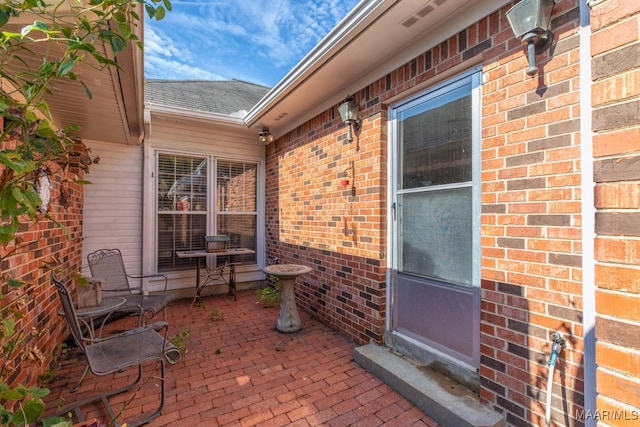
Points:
(112, 214)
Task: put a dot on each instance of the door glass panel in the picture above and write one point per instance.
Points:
(436, 231)
(435, 140)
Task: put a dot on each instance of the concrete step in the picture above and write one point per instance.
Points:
(447, 402)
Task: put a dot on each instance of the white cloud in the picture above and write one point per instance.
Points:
(164, 60)
(253, 40)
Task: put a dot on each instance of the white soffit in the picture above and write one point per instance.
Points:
(373, 40)
(115, 111)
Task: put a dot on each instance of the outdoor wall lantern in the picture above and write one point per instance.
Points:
(349, 113)
(265, 136)
(529, 21)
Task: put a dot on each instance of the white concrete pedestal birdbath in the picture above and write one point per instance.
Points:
(288, 320)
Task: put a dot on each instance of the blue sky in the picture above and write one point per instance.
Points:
(257, 41)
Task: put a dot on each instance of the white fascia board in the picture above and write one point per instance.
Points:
(193, 114)
(341, 34)
(347, 31)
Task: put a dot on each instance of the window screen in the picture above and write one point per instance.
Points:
(182, 208)
(236, 207)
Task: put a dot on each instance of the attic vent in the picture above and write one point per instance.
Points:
(409, 22)
(281, 116)
(424, 11)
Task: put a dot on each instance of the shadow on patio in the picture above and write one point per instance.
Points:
(239, 370)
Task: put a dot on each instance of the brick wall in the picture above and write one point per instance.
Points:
(531, 211)
(40, 244)
(315, 218)
(531, 236)
(616, 146)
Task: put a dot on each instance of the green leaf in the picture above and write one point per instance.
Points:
(120, 17)
(31, 411)
(12, 394)
(117, 44)
(4, 17)
(5, 417)
(7, 233)
(160, 13)
(81, 46)
(57, 422)
(39, 392)
(150, 11)
(66, 67)
(36, 26)
(27, 198)
(87, 91)
(9, 326)
(13, 161)
(168, 5)
(16, 284)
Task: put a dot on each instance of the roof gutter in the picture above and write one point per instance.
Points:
(341, 35)
(194, 114)
(128, 80)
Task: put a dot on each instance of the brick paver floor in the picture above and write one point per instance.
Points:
(239, 371)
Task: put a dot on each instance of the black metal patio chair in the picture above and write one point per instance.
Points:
(107, 266)
(130, 349)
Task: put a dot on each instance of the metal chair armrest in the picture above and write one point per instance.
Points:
(146, 276)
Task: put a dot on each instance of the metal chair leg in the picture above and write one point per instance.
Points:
(84, 374)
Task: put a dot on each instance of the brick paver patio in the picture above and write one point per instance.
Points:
(239, 371)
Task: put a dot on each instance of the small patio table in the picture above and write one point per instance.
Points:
(87, 315)
(201, 253)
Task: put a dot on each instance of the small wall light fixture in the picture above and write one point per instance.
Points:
(265, 136)
(530, 21)
(349, 113)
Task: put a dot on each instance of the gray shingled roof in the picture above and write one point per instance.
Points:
(214, 96)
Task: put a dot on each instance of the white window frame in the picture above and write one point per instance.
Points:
(183, 278)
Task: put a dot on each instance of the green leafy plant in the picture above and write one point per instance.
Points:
(180, 340)
(21, 405)
(216, 315)
(42, 43)
(269, 295)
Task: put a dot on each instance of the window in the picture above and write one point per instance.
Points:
(236, 204)
(186, 211)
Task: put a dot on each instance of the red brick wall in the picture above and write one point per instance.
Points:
(40, 244)
(339, 230)
(616, 145)
(531, 211)
(531, 236)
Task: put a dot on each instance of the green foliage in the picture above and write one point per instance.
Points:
(27, 402)
(269, 295)
(57, 422)
(216, 315)
(42, 43)
(58, 38)
(180, 341)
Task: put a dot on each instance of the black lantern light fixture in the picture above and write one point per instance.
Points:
(349, 113)
(530, 21)
(265, 136)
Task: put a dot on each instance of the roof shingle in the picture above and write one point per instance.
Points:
(214, 96)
